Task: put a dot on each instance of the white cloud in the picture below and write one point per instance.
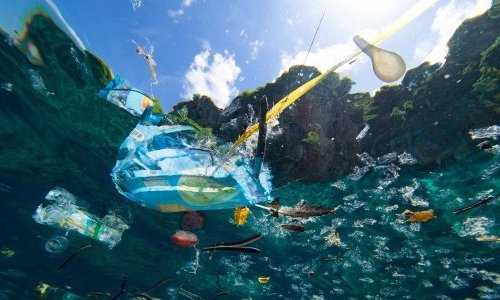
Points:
(256, 45)
(325, 58)
(446, 21)
(212, 74)
(179, 12)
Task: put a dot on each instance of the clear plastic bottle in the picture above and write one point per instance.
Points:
(64, 213)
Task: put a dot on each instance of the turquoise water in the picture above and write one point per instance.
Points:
(56, 132)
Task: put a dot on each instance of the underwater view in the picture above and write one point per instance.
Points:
(281, 149)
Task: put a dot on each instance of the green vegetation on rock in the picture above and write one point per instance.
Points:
(487, 87)
(312, 138)
(364, 103)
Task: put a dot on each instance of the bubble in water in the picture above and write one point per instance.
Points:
(56, 244)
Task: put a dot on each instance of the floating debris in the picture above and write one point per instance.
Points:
(238, 246)
(184, 238)
(240, 215)
(333, 239)
(485, 133)
(484, 145)
(475, 204)
(192, 220)
(64, 213)
(488, 238)
(337, 257)
(293, 227)
(363, 133)
(406, 159)
(56, 244)
(388, 66)
(98, 294)
(123, 287)
(300, 210)
(418, 216)
(64, 263)
(7, 86)
(263, 279)
(7, 253)
(45, 291)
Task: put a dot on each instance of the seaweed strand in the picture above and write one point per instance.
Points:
(64, 263)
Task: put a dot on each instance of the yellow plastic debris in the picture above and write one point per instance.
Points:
(241, 215)
(419, 216)
(264, 279)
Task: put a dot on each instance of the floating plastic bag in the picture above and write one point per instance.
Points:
(169, 169)
(64, 213)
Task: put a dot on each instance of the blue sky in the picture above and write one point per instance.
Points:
(220, 48)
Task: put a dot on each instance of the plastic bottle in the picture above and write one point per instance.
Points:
(64, 213)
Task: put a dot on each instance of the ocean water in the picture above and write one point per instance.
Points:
(52, 135)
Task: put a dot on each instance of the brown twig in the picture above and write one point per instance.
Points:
(64, 263)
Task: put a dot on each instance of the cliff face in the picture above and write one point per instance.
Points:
(431, 112)
(428, 115)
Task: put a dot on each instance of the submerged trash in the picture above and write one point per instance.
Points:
(484, 145)
(293, 227)
(363, 132)
(388, 66)
(418, 216)
(45, 291)
(172, 168)
(237, 246)
(184, 238)
(485, 133)
(240, 215)
(488, 238)
(65, 262)
(300, 210)
(333, 239)
(192, 220)
(7, 253)
(56, 244)
(263, 279)
(64, 213)
(475, 204)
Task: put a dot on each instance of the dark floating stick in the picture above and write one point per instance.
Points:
(157, 285)
(118, 295)
(98, 294)
(232, 248)
(293, 227)
(478, 203)
(123, 285)
(189, 294)
(237, 246)
(64, 263)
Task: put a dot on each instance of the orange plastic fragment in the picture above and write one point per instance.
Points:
(418, 216)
